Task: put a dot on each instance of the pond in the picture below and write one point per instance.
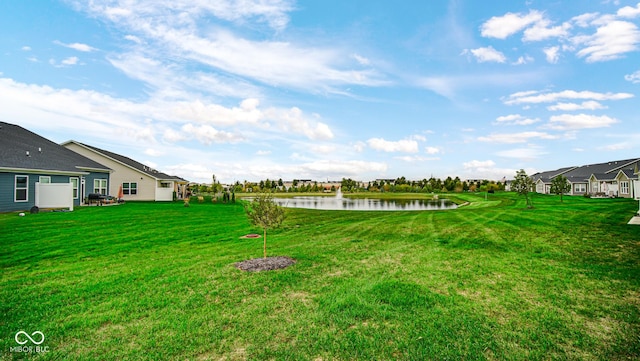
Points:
(366, 204)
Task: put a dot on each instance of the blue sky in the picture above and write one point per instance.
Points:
(255, 89)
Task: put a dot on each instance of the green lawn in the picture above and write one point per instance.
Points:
(491, 280)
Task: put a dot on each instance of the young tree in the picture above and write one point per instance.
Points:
(522, 185)
(560, 185)
(265, 213)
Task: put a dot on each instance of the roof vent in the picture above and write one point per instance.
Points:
(39, 149)
(28, 154)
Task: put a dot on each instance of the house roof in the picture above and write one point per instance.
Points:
(129, 162)
(547, 176)
(23, 150)
(606, 170)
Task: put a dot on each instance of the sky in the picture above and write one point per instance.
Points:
(325, 90)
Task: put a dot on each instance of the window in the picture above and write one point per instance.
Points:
(44, 179)
(624, 187)
(74, 185)
(22, 188)
(100, 186)
(130, 188)
(579, 188)
(165, 184)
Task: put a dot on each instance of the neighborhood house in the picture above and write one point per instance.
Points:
(137, 181)
(610, 179)
(35, 171)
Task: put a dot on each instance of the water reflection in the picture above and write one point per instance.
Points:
(366, 204)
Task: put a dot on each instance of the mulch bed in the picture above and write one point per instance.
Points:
(265, 264)
(251, 235)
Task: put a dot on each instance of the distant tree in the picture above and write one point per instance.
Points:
(560, 185)
(264, 212)
(522, 185)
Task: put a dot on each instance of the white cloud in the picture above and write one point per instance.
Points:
(487, 169)
(629, 11)
(515, 119)
(510, 138)
(336, 168)
(26, 48)
(416, 158)
(76, 46)
(404, 145)
(580, 121)
(535, 97)
(524, 60)
(584, 20)
(529, 153)
(502, 27)
(173, 28)
(106, 115)
(173, 136)
(263, 152)
(609, 42)
(633, 77)
(359, 146)
(322, 148)
(361, 59)
(474, 164)
(588, 105)
(487, 54)
(541, 31)
(70, 61)
(207, 134)
(552, 54)
(154, 153)
(432, 150)
(133, 38)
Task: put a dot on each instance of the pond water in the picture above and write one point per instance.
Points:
(366, 204)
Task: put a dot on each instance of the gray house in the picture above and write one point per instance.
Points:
(609, 179)
(543, 180)
(35, 171)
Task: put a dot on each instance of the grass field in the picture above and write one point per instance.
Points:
(491, 280)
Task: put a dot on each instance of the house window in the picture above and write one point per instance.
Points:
(165, 184)
(579, 188)
(100, 186)
(74, 185)
(22, 188)
(624, 187)
(130, 188)
(595, 187)
(44, 179)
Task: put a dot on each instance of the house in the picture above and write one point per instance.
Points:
(138, 181)
(35, 171)
(610, 179)
(543, 180)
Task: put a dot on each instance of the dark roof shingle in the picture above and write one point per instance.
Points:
(23, 149)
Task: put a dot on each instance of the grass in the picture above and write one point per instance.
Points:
(488, 281)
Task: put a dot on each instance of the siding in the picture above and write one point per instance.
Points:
(121, 174)
(7, 189)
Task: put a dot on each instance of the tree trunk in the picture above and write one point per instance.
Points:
(265, 242)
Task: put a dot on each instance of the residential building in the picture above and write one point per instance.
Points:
(138, 181)
(35, 171)
(609, 179)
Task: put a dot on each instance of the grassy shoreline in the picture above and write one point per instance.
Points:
(490, 281)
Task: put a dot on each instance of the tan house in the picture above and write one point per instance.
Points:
(138, 182)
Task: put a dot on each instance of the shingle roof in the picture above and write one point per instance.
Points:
(23, 149)
(606, 170)
(131, 163)
(547, 176)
